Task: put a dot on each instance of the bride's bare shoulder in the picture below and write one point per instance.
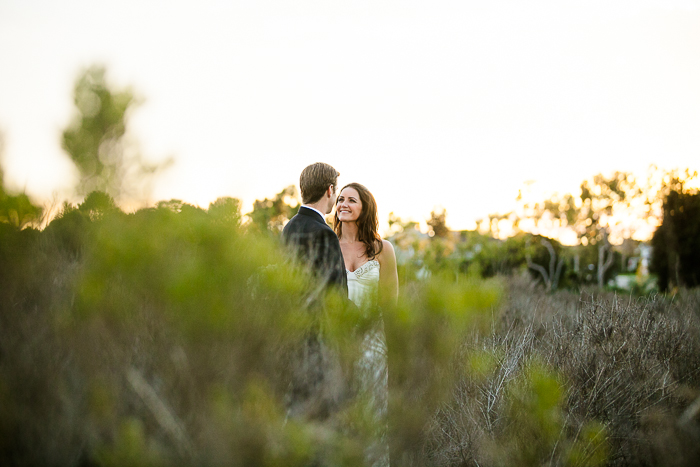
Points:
(387, 252)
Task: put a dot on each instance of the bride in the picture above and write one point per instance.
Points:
(364, 251)
(370, 263)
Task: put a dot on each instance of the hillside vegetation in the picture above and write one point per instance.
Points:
(175, 335)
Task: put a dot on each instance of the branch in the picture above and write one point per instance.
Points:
(608, 259)
(539, 269)
(552, 255)
(607, 249)
(604, 262)
(690, 413)
(164, 416)
(557, 274)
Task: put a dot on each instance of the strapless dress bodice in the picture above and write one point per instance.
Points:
(363, 283)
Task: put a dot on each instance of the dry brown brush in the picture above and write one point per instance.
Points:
(577, 379)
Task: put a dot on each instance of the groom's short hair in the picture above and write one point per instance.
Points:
(315, 180)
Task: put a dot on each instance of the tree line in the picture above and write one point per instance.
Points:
(605, 210)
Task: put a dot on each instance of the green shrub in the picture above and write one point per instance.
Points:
(175, 336)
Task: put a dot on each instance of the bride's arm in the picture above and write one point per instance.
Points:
(388, 277)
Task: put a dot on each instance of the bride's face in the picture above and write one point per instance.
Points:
(348, 205)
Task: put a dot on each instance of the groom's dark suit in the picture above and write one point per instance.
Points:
(317, 246)
(317, 389)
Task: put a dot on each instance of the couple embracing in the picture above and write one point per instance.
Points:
(354, 258)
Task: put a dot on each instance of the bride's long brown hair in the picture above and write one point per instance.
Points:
(367, 222)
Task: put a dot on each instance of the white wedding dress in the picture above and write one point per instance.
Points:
(372, 367)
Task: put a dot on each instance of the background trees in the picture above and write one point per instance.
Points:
(600, 223)
(96, 140)
(272, 214)
(592, 215)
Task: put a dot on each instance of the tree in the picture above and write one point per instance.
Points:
(97, 204)
(437, 224)
(272, 214)
(95, 139)
(226, 210)
(659, 185)
(676, 243)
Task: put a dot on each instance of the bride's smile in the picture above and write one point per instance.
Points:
(348, 205)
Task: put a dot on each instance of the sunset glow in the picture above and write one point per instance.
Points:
(448, 105)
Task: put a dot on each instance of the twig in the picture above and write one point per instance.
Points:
(164, 416)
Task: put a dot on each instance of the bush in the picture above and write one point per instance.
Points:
(174, 336)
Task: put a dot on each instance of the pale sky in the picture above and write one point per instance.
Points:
(443, 103)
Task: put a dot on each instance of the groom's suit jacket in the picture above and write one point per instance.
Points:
(316, 245)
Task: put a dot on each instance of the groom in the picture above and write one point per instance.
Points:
(307, 233)
(317, 388)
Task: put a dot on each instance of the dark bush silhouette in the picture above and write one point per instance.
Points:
(676, 243)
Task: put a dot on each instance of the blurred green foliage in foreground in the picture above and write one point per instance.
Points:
(178, 335)
(172, 335)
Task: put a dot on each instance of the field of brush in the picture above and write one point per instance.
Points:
(628, 370)
(164, 338)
